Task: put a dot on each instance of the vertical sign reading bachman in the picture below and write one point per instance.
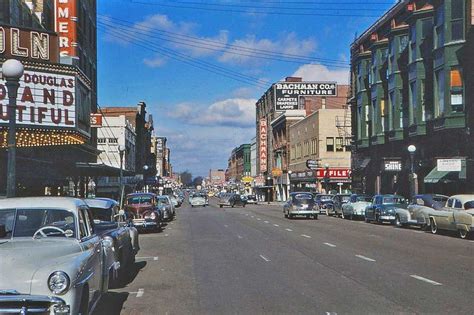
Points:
(66, 19)
(263, 144)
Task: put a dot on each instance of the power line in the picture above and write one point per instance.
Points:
(250, 11)
(252, 55)
(191, 61)
(216, 43)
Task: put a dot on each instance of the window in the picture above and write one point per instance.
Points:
(339, 144)
(113, 140)
(413, 103)
(374, 113)
(439, 93)
(422, 98)
(330, 144)
(457, 22)
(293, 153)
(83, 232)
(413, 43)
(456, 90)
(347, 144)
(439, 27)
(101, 140)
(403, 43)
(382, 114)
(393, 109)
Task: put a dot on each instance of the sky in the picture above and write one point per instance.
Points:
(200, 66)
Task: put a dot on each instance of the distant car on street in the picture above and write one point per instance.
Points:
(338, 201)
(144, 210)
(384, 208)
(252, 199)
(325, 203)
(197, 200)
(165, 204)
(301, 204)
(355, 208)
(231, 200)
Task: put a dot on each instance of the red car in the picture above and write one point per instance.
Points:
(144, 210)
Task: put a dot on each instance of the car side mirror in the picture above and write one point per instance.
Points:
(3, 231)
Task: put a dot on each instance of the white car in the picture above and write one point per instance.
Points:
(456, 215)
(197, 200)
(355, 208)
(52, 261)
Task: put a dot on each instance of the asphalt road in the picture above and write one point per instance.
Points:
(253, 261)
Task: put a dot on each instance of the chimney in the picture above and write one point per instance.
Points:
(293, 79)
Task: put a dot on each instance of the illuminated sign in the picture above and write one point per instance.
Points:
(392, 166)
(263, 132)
(287, 94)
(44, 100)
(96, 120)
(21, 43)
(66, 18)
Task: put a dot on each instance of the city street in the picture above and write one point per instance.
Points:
(252, 261)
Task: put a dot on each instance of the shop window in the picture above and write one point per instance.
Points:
(456, 90)
(330, 144)
(339, 144)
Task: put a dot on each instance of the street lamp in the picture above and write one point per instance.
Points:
(12, 71)
(412, 150)
(326, 178)
(121, 153)
(145, 168)
(268, 189)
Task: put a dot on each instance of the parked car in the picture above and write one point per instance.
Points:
(384, 207)
(424, 206)
(165, 204)
(231, 200)
(197, 200)
(456, 215)
(301, 204)
(338, 201)
(144, 211)
(405, 217)
(355, 207)
(111, 224)
(252, 199)
(52, 260)
(325, 203)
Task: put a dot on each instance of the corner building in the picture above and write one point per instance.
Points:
(412, 85)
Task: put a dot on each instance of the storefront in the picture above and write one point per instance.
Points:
(322, 180)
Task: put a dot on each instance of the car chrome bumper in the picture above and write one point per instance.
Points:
(143, 223)
(304, 212)
(33, 304)
(387, 217)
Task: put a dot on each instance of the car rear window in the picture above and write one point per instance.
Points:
(303, 196)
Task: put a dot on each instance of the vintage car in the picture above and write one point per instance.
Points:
(325, 203)
(252, 199)
(52, 260)
(174, 201)
(384, 208)
(301, 204)
(166, 206)
(424, 206)
(355, 207)
(144, 211)
(338, 201)
(111, 223)
(418, 209)
(456, 215)
(197, 200)
(231, 200)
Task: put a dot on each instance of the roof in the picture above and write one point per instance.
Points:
(140, 194)
(463, 198)
(103, 203)
(40, 202)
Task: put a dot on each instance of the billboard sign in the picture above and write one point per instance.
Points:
(287, 94)
(44, 100)
(96, 120)
(448, 165)
(263, 134)
(66, 18)
(312, 164)
(26, 43)
(392, 166)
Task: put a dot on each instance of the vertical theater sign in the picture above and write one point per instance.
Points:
(263, 154)
(66, 18)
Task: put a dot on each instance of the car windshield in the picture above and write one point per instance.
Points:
(163, 201)
(139, 200)
(26, 222)
(101, 214)
(393, 200)
(363, 199)
(345, 198)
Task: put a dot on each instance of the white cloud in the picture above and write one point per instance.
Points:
(235, 112)
(287, 44)
(155, 62)
(318, 72)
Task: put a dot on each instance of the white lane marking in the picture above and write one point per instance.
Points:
(289, 230)
(252, 217)
(259, 219)
(170, 228)
(167, 235)
(239, 236)
(365, 258)
(171, 223)
(225, 225)
(247, 214)
(147, 257)
(304, 235)
(266, 222)
(264, 258)
(329, 244)
(140, 293)
(425, 280)
(471, 241)
(276, 225)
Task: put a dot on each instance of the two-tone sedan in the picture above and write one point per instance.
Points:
(52, 261)
(425, 206)
(384, 208)
(144, 211)
(301, 204)
(457, 215)
(355, 208)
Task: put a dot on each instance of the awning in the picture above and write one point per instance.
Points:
(436, 176)
(98, 169)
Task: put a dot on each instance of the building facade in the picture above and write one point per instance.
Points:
(217, 177)
(411, 85)
(319, 139)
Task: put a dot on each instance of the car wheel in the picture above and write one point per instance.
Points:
(232, 205)
(366, 220)
(192, 206)
(342, 215)
(377, 219)
(398, 223)
(434, 226)
(351, 217)
(84, 306)
(220, 206)
(327, 212)
(290, 216)
(315, 217)
(243, 205)
(463, 233)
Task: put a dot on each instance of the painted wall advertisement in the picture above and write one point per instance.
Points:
(44, 100)
(263, 145)
(287, 94)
